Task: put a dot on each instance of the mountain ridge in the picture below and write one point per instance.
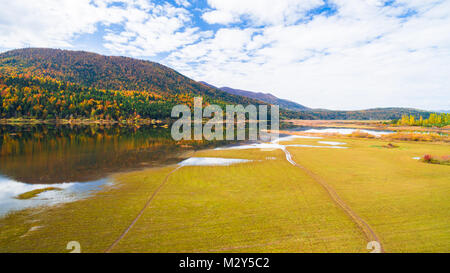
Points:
(55, 83)
(315, 113)
(107, 72)
(265, 97)
(47, 83)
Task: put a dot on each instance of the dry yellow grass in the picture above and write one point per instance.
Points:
(406, 201)
(34, 193)
(263, 206)
(428, 137)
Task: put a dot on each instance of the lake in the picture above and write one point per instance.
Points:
(79, 159)
(343, 131)
(49, 154)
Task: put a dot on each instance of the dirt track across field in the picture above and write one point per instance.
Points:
(142, 211)
(363, 225)
(368, 232)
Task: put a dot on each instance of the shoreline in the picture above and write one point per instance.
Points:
(24, 121)
(365, 124)
(357, 124)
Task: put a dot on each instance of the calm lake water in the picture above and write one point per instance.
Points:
(49, 154)
(343, 131)
(78, 159)
(52, 154)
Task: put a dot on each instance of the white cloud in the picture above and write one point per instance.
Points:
(51, 23)
(184, 3)
(219, 17)
(148, 28)
(259, 12)
(152, 30)
(368, 54)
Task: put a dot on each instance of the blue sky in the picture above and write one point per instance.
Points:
(336, 54)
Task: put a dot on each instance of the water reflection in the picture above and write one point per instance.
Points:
(343, 131)
(10, 189)
(48, 154)
(211, 161)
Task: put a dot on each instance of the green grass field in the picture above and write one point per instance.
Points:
(34, 193)
(405, 200)
(267, 205)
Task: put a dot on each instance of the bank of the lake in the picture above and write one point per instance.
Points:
(378, 125)
(79, 121)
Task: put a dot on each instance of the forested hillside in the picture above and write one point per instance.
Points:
(265, 97)
(434, 120)
(46, 98)
(51, 83)
(369, 114)
(298, 111)
(106, 72)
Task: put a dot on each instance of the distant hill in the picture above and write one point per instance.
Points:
(53, 83)
(106, 72)
(48, 83)
(298, 111)
(368, 114)
(265, 97)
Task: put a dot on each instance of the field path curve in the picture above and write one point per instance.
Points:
(363, 225)
(125, 232)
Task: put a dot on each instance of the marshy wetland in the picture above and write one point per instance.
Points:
(133, 189)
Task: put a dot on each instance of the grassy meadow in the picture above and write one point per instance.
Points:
(267, 205)
(406, 201)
